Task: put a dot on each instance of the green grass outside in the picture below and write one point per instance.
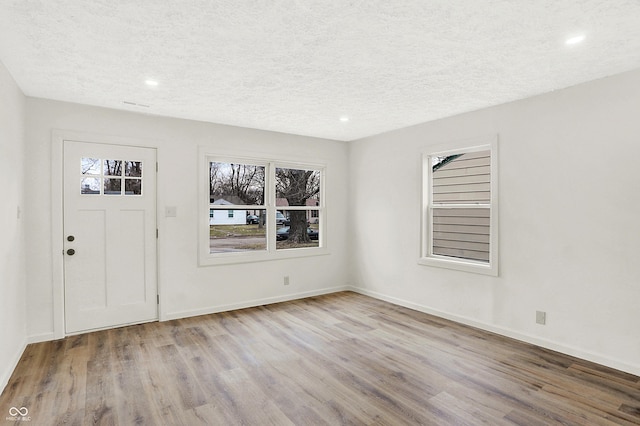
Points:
(225, 231)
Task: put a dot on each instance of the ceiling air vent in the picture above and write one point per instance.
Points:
(135, 104)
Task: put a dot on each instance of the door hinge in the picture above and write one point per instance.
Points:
(158, 298)
(156, 167)
(156, 233)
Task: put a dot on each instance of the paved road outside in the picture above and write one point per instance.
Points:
(235, 244)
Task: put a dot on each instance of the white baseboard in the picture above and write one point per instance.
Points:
(251, 303)
(6, 375)
(8, 371)
(42, 337)
(548, 344)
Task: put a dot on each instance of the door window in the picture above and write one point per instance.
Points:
(110, 177)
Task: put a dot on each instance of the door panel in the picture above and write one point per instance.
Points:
(110, 224)
(131, 235)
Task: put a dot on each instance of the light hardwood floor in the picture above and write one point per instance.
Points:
(337, 359)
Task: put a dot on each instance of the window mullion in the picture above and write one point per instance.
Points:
(461, 206)
(270, 201)
(300, 207)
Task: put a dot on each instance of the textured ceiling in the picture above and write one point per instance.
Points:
(297, 66)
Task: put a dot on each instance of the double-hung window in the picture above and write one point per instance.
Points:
(459, 209)
(256, 209)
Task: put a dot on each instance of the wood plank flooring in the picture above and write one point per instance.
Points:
(339, 359)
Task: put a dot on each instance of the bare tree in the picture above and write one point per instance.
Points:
(297, 186)
(112, 168)
(246, 182)
(243, 181)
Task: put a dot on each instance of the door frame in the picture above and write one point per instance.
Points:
(57, 214)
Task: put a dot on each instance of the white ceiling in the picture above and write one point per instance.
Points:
(297, 66)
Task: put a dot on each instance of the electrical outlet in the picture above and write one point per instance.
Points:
(286, 280)
(541, 317)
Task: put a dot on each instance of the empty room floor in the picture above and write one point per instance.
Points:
(342, 358)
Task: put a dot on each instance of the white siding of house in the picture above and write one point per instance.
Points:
(221, 217)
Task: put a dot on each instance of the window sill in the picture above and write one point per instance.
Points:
(239, 258)
(460, 265)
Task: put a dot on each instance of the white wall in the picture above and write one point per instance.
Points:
(185, 288)
(13, 324)
(568, 204)
(569, 221)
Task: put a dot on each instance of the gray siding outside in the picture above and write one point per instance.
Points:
(463, 231)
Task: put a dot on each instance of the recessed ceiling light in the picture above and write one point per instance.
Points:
(574, 40)
(344, 118)
(151, 83)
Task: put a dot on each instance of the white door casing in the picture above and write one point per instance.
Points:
(109, 209)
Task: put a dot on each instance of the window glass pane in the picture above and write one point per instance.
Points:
(281, 219)
(462, 178)
(239, 192)
(296, 187)
(133, 168)
(133, 186)
(236, 184)
(460, 218)
(112, 186)
(112, 168)
(90, 185)
(300, 230)
(90, 166)
(242, 231)
(462, 232)
(256, 217)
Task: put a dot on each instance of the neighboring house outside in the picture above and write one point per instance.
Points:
(238, 217)
(462, 215)
(227, 217)
(312, 215)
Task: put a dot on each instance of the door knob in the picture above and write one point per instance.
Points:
(71, 252)
(71, 238)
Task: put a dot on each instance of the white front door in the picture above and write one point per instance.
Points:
(110, 235)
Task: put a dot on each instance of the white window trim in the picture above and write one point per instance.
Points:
(205, 258)
(426, 257)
